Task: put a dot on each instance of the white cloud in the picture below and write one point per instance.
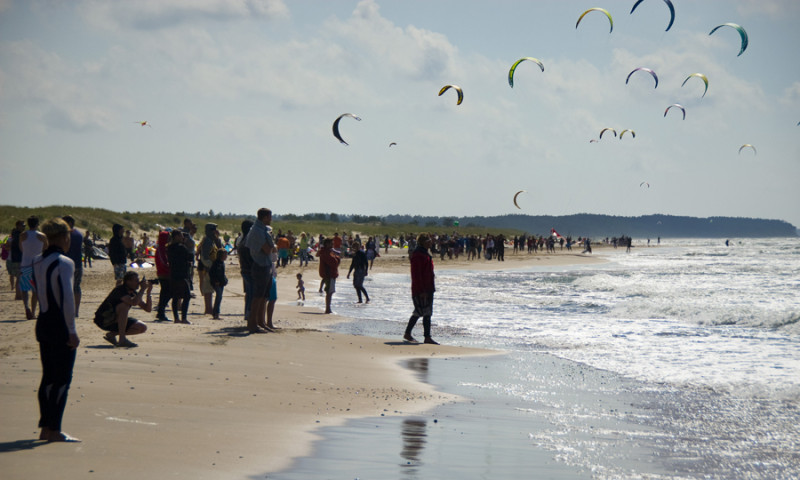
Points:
(51, 86)
(412, 52)
(791, 96)
(160, 14)
(774, 9)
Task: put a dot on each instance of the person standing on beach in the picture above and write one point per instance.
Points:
(129, 244)
(261, 245)
(74, 253)
(359, 267)
(180, 269)
(207, 250)
(303, 245)
(55, 329)
(88, 250)
(245, 266)
(117, 254)
(218, 280)
(32, 242)
(422, 288)
(163, 272)
(372, 251)
(15, 258)
(328, 271)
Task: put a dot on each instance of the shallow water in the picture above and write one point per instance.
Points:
(699, 344)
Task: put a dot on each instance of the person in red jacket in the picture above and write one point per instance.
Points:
(328, 270)
(163, 272)
(422, 288)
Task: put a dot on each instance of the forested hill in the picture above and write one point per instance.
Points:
(610, 226)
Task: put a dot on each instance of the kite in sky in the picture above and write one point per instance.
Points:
(514, 67)
(457, 89)
(144, 124)
(515, 199)
(739, 29)
(626, 130)
(655, 77)
(748, 145)
(597, 9)
(671, 11)
(700, 76)
(336, 126)
(676, 106)
(604, 131)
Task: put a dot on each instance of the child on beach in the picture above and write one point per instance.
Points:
(218, 280)
(301, 288)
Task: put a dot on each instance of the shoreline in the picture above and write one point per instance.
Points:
(184, 402)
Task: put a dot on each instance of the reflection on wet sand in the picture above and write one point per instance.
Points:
(414, 437)
(420, 367)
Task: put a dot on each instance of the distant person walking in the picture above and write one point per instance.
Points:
(328, 270)
(422, 289)
(32, 242)
(359, 267)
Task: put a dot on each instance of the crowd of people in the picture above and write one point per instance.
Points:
(46, 270)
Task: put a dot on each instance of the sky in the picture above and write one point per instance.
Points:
(240, 96)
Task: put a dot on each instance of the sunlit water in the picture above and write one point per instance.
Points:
(705, 339)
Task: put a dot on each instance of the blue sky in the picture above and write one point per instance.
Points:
(241, 96)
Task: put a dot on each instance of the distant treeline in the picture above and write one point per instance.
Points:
(583, 224)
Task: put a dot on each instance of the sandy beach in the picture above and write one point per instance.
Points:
(207, 400)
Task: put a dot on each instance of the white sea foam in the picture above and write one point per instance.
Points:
(709, 334)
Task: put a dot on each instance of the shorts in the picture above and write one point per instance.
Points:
(119, 271)
(423, 305)
(13, 268)
(205, 284)
(26, 279)
(77, 278)
(179, 287)
(262, 278)
(358, 278)
(115, 327)
(330, 285)
(273, 290)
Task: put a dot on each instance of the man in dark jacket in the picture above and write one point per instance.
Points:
(180, 267)
(117, 253)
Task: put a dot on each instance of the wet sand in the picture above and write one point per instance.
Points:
(206, 400)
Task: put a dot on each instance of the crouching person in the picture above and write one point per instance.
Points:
(112, 315)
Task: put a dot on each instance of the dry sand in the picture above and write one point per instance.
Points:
(207, 400)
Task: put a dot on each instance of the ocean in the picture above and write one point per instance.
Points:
(677, 361)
